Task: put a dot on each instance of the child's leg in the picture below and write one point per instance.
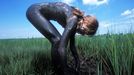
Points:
(47, 29)
(42, 24)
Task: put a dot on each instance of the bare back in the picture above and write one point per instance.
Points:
(57, 11)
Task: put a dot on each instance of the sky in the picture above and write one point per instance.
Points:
(114, 16)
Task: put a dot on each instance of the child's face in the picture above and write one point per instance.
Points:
(88, 25)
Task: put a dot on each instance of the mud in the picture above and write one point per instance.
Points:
(92, 66)
(88, 66)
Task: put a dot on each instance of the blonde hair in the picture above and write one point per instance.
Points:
(77, 12)
(92, 24)
(90, 21)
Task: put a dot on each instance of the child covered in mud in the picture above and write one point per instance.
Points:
(72, 20)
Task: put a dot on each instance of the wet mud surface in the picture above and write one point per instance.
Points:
(91, 66)
(88, 66)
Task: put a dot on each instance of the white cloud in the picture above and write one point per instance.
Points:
(68, 1)
(95, 2)
(128, 12)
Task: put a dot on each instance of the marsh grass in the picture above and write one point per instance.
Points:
(32, 56)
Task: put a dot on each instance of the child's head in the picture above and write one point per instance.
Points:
(87, 25)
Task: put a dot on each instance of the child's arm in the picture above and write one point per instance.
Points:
(69, 29)
(74, 52)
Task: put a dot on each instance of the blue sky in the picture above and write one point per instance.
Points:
(114, 16)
